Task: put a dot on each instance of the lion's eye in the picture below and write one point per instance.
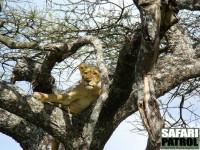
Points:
(85, 72)
(95, 73)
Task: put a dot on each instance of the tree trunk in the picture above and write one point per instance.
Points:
(141, 76)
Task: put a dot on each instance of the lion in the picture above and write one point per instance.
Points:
(82, 95)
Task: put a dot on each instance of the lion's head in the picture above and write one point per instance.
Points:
(90, 76)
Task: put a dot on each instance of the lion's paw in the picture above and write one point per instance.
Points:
(37, 95)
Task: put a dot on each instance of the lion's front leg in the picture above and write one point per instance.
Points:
(64, 99)
(41, 96)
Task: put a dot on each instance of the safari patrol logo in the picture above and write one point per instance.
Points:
(179, 138)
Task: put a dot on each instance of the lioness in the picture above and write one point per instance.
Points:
(80, 97)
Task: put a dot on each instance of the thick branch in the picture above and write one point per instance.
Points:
(17, 45)
(188, 4)
(145, 68)
(173, 69)
(28, 135)
(90, 126)
(119, 92)
(49, 118)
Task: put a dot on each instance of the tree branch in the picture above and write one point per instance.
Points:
(90, 126)
(28, 135)
(148, 106)
(17, 45)
(179, 66)
(118, 93)
(50, 118)
(188, 4)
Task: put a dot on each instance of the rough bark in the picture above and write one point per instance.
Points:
(20, 103)
(110, 116)
(135, 66)
(188, 4)
(182, 64)
(145, 68)
(21, 130)
(17, 45)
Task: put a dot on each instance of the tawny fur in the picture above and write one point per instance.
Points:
(80, 97)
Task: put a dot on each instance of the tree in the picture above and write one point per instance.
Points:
(149, 58)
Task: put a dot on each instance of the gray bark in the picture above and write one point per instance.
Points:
(24, 118)
(21, 130)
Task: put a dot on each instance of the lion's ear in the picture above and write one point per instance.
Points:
(82, 67)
